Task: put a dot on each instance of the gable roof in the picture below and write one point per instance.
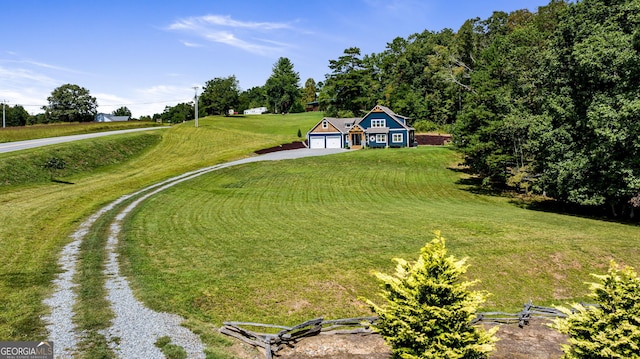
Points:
(341, 123)
(402, 120)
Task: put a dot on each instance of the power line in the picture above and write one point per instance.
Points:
(118, 104)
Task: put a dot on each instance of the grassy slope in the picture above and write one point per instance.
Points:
(285, 242)
(11, 134)
(37, 219)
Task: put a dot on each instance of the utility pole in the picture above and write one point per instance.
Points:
(3, 119)
(196, 97)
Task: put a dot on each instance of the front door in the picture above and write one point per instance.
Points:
(356, 139)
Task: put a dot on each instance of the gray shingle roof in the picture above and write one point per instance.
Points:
(341, 123)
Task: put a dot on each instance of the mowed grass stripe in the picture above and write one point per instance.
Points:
(37, 219)
(285, 241)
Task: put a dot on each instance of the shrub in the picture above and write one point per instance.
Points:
(425, 126)
(429, 309)
(296, 107)
(54, 164)
(611, 329)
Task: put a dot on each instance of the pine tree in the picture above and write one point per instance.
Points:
(428, 309)
(610, 330)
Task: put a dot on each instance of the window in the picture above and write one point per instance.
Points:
(348, 125)
(324, 124)
(396, 137)
(378, 122)
(381, 138)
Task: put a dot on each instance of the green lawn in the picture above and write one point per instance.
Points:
(24, 133)
(288, 241)
(38, 216)
(284, 241)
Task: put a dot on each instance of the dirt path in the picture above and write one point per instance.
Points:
(534, 341)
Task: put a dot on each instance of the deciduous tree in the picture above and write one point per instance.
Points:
(220, 95)
(71, 103)
(588, 148)
(309, 93)
(122, 111)
(179, 113)
(16, 116)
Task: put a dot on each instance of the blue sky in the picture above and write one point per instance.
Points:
(149, 54)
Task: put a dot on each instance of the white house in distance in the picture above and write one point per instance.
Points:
(255, 111)
(105, 117)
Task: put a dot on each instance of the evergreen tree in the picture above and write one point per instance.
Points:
(347, 82)
(282, 88)
(428, 308)
(610, 330)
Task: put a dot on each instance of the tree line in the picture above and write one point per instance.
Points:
(545, 102)
(67, 103)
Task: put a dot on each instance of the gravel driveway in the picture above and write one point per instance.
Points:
(135, 328)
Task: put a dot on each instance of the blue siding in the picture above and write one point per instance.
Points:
(394, 127)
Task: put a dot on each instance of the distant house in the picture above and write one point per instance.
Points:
(312, 106)
(255, 111)
(380, 128)
(105, 117)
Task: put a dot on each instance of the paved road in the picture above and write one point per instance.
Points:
(23, 145)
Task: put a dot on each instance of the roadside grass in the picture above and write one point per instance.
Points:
(24, 133)
(28, 166)
(37, 218)
(288, 241)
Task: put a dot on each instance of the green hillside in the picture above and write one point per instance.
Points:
(279, 241)
(287, 241)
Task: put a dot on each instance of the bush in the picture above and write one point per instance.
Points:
(296, 107)
(611, 329)
(429, 309)
(425, 126)
(54, 164)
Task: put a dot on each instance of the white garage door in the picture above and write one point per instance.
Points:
(317, 142)
(333, 142)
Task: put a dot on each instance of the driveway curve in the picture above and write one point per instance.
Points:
(135, 328)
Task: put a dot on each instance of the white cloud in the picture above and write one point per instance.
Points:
(17, 76)
(191, 44)
(26, 87)
(225, 21)
(234, 33)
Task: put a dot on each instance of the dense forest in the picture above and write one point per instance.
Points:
(545, 102)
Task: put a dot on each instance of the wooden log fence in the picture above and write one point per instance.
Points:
(288, 336)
